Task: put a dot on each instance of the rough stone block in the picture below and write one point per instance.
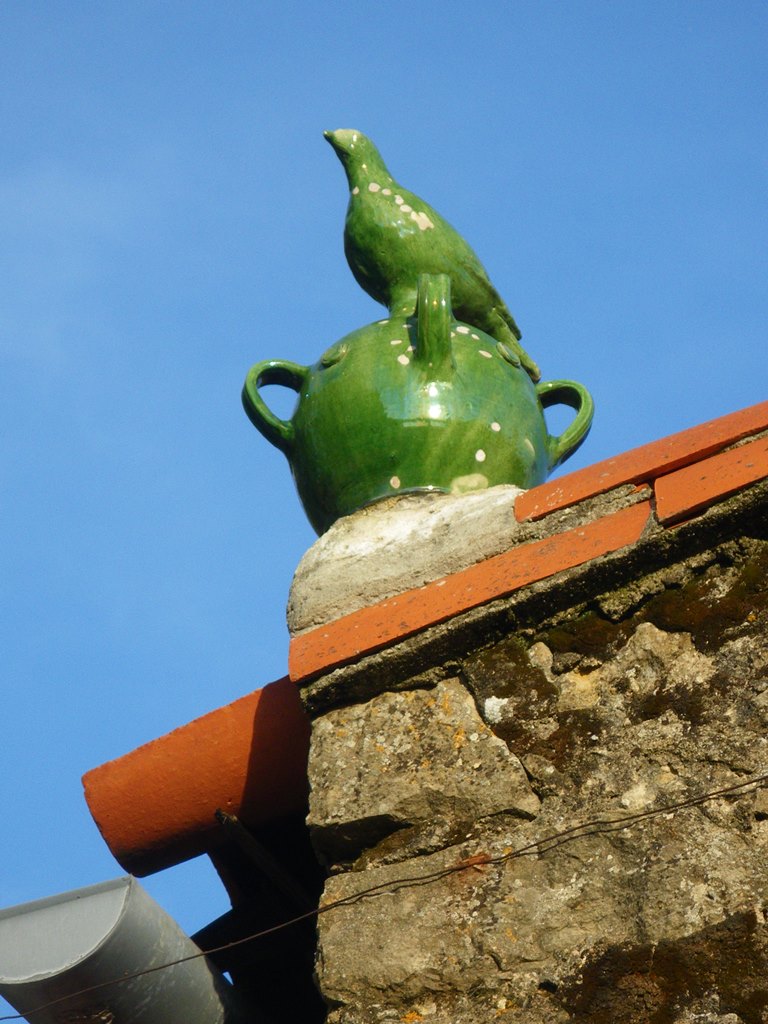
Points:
(422, 760)
(616, 901)
(630, 927)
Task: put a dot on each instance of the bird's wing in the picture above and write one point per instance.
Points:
(482, 296)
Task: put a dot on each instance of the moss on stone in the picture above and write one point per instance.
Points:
(726, 963)
(714, 605)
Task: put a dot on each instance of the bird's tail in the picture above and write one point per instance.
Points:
(510, 335)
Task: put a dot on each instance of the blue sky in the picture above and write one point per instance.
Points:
(171, 214)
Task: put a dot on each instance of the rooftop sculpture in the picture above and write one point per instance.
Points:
(391, 237)
(440, 396)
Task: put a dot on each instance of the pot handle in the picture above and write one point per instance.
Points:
(433, 335)
(567, 392)
(278, 432)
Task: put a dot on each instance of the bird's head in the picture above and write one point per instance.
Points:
(359, 157)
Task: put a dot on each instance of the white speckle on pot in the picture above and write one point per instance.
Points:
(480, 455)
(406, 208)
(462, 329)
(355, 190)
(396, 341)
(394, 482)
(529, 446)
(495, 427)
(386, 191)
(482, 351)
(399, 200)
(476, 337)
(374, 187)
(403, 360)
(422, 220)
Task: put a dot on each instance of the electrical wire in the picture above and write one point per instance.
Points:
(596, 826)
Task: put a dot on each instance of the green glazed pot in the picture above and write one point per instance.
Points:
(421, 403)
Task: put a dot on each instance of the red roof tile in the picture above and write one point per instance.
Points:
(688, 477)
(687, 491)
(642, 464)
(387, 622)
(155, 806)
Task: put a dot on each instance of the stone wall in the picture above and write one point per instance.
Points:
(512, 797)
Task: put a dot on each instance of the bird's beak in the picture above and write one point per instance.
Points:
(331, 137)
(343, 140)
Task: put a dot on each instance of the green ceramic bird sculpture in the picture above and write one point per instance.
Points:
(391, 237)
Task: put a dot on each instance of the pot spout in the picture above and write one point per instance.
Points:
(433, 332)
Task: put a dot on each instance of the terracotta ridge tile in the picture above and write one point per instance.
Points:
(155, 805)
(642, 464)
(387, 622)
(690, 490)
